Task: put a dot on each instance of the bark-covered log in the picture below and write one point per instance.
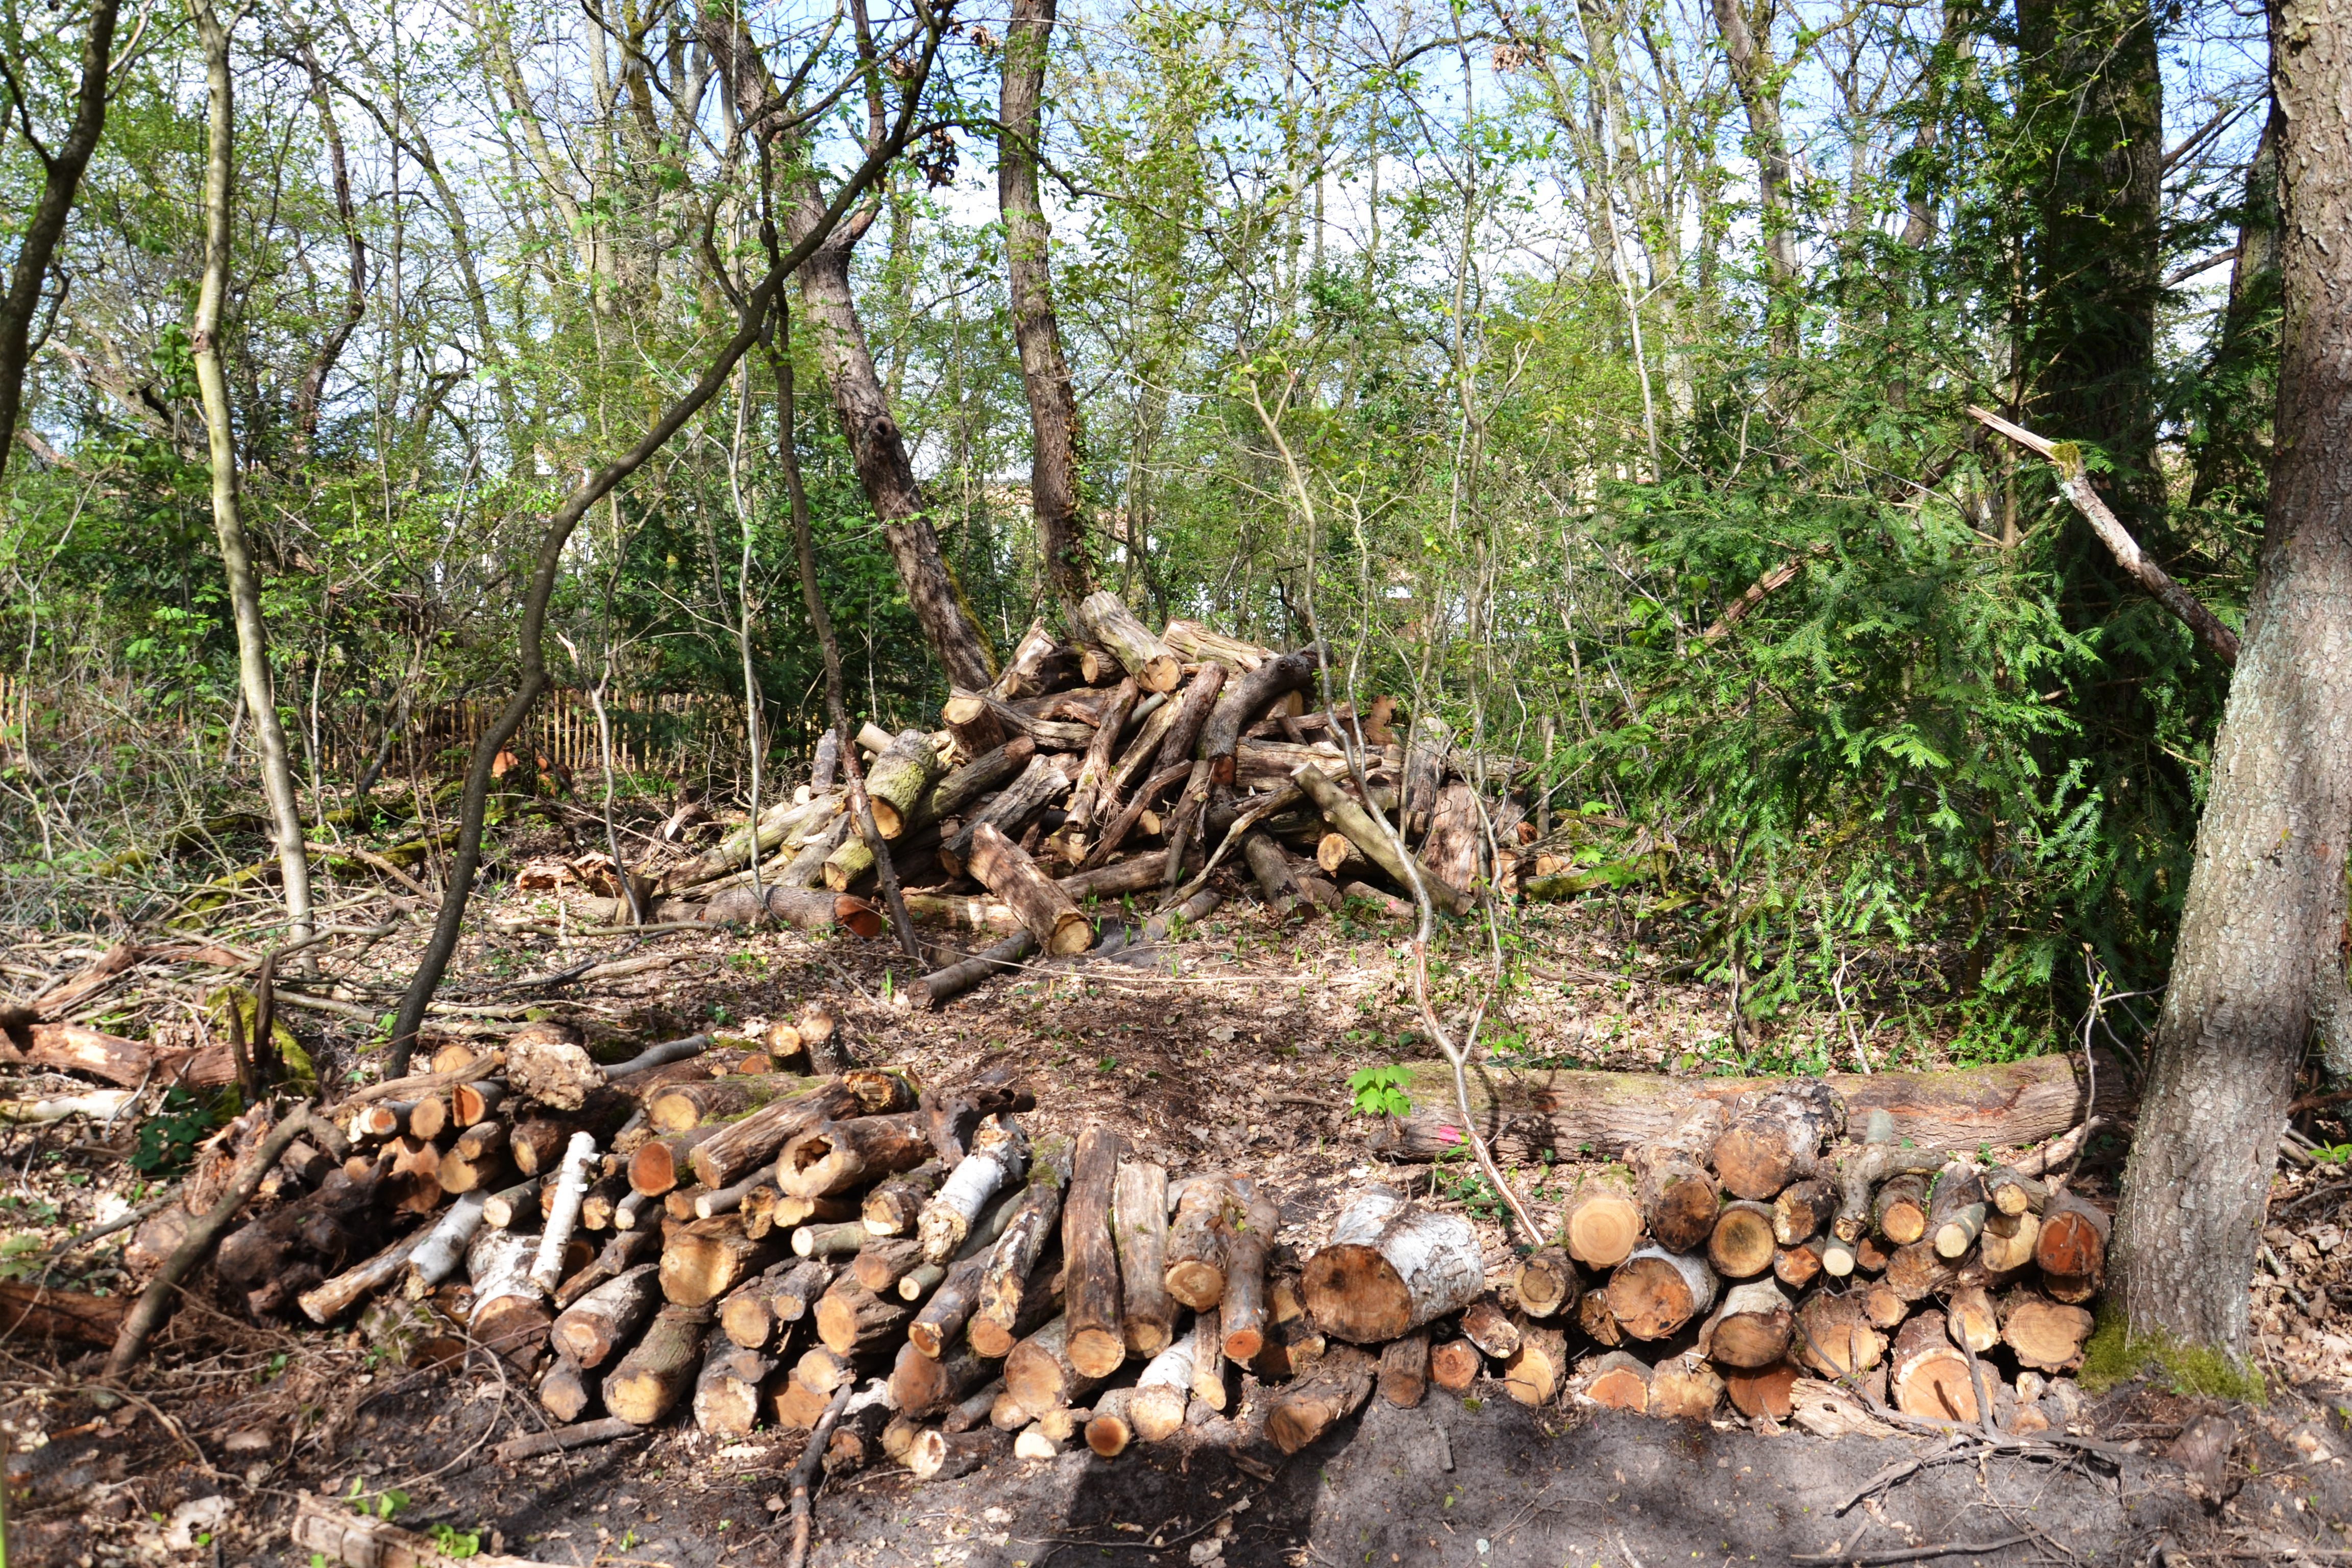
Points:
(1108, 622)
(1956, 1210)
(881, 1263)
(1455, 846)
(952, 1114)
(510, 1317)
(1603, 1222)
(649, 1380)
(1337, 1388)
(1005, 1280)
(566, 1392)
(835, 1238)
(444, 1247)
(1804, 1209)
(680, 1107)
(939, 1455)
(2008, 1242)
(1038, 1373)
(1089, 791)
(731, 1153)
(973, 723)
(29, 1312)
(1916, 1272)
(1523, 1112)
(503, 1209)
(1741, 1245)
(999, 1156)
(855, 1322)
(1534, 1370)
(1454, 1365)
(1390, 1267)
(325, 1302)
(2072, 1248)
(1677, 1189)
(570, 1187)
(1139, 1225)
(1207, 1208)
(1927, 1376)
(729, 1392)
(1097, 1335)
(1210, 1385)
(899, 780)
(1835, 1337)
(1405, 1369)
(836, 1157)
(1242, 1311)
(1426, 743)
(1595, 1322)
(1972, 1319)
(1618, 1381)
(707, 1258)
(1046, 912)
(478, 1159)
(1485, 1324)
(944, 985)
(1163, 1391)
(924, 1385)
(1798, 1267)
(1346, 816)
(1547, 1283)
(623, 1251)
(892, 1208)
(1654, 1292)
(1900, 1209)
(1750, 1328)
(1249, 701)
(746, 1314)
(1775, 1137)
(1038, 786)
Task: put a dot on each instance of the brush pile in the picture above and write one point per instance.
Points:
(721, 1230)
(1126, 766)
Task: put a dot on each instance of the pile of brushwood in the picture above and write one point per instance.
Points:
(1123, 767)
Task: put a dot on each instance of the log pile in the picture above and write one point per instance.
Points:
(1123, 765)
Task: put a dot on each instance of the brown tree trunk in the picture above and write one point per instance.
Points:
(1052, 403)
(1090, 1256)
(2258, 957)
(1757, 77)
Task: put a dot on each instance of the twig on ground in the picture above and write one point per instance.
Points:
(804, 1475)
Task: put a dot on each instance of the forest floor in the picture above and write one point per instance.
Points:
(1234, 1048)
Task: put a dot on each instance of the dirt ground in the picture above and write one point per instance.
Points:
(1231, 1045)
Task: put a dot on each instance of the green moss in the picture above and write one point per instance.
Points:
(2115, 1354)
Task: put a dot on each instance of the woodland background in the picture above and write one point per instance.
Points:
(1591, 373)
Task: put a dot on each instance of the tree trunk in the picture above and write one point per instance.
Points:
(879, 450)
(1390, 1267)
(1053, 402)
(1758, 75)
(1097, 1344)
(2258, 954)
(229, 522)
(593, 1329)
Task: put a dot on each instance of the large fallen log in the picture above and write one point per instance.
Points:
(1526, 1112)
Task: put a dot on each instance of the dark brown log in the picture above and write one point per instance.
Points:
(950, 1307)
(855, 1322)
(1916, 1272)
(1337, 1388)
(1109, 622)
(1251, 696)
(1039, 785)
(881, 1263)
(730, 1152)
(1547, 1283)
(1804, 1209)
(1618, 1381)
(1595, 1321)
(836, 1157)
(1390, 1267)
(1207, 1208)
(1927, 1376)
(978, 732)
(944, 985)
(939, 1455)
(1242, 1312)
(890, 1209)
(707, 1259)
(1654, 1292)
(1677, 1190)
(1046, 912)
(972, 1410)
(1096, 1302)
(1524, 1112)
(951, 1115)
(654, 1376)
(1775, 1137)
(1405, 1369)
(1741, 1245)
(1040, 663)
(799, 1286)
(1005, 1281)
(67, 1317)
(1192, 710)
(1603, 1222)
(1086, 796)
(1457, 843)
(593, 1329)
(565, 1393)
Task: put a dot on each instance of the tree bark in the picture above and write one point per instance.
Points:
(60, 178)
(2258, 949)
(1757, 75)
(228, 520)
(1044, 372)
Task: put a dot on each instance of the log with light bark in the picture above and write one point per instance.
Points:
(1654, 1292)
(1005, 1280)
(511, 1316)
(1677, 1188)
(1804, 1209)
(1456, 845)
(1347, 817)
(566, 1392)
(1038, 1373)
(330, 1532)
(1547, 1283)
(832, 1239)
(1140, 1229)
(729, 1392)
(591, 1330)
(1750, 1327)
(1390, 1267)
(731, 1150)
(444, 1247)
(899, 780)
(1603, 1220)
(939, 1455)
(999, 1156)
(1616, 1381)
(1210, 1384)
(1927, 1375)
(325, 1302)
(1956, 1210)
(646, 1383)
(1163, 1391)
(563, 1213)
(1741, 1245)
(681, 1107)
(2072, 1248)
(1523, 1112)
(1775, 1137)
(1972, 1318)
(1109, 623)
(1537, 1367)
(705, 1259)
(1335, 1389)
(1089, 791)
(1207, 1208)
(836, 1157)
(1046, 912)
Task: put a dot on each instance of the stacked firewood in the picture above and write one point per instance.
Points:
(1124, 765)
